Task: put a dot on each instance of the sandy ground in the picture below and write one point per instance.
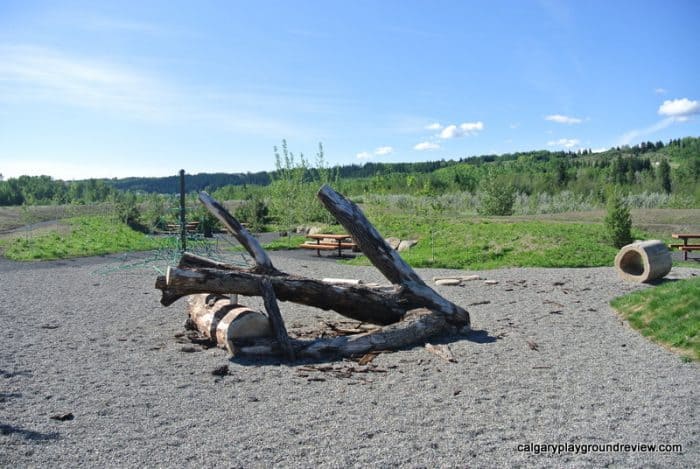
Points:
(94, 373)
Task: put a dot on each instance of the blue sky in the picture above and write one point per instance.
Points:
(119, 88)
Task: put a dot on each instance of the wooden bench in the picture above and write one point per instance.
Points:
(329, 242)
(685, 246)
(191, 227)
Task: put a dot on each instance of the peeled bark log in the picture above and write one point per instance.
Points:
(223, 323)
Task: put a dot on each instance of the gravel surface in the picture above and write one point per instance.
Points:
(93, 374)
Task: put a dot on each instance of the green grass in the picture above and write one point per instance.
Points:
(84, 236)
(668, 314)
(495, 243)
(284, 243)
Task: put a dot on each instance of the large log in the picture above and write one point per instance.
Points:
(356, 302)
(418, 326)
(386, 259)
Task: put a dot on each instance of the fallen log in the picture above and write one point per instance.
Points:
(223, 323)
(353, 301)
(410, 311)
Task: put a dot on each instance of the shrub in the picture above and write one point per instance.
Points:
(254, 212)
(497, 197)
(618, 221)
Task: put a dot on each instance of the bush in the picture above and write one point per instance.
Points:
(618, 221)
(254, 212)
(497, 197)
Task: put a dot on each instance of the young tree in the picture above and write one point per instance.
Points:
(665, 176)
(497, 195)
(618, 220)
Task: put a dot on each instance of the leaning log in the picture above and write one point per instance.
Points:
(386, 259)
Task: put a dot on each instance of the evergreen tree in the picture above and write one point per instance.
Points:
(618, 221)
(665, 176)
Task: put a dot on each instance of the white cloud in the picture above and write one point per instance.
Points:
(560, 119)
(637, 134)
(364, 155)
(599, 150)
(434, 126)
(381, 151)
(32, 74)
(426, 146)
(660, 91)
(679, 109)
(564, 142)
(467, 128)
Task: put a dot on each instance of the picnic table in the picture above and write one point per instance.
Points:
(685, 247)
(191, 227)
(329, 242)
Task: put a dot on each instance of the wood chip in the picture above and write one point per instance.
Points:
(442, 351)
(367, 358)
(451, 282)
(220, 370)
(490, 282)
(63, 417)
(533, 345)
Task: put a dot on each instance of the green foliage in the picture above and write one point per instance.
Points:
(618, 221)
(43, 190)
(254, 212)
(497, 195)
(86, 236)
(292, 195)
(127, 210)
(462, 243)
(156, 212)
(665, 176)
(668, 314)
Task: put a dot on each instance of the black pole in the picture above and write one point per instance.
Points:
(183, 226)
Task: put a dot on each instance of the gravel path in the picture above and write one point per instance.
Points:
(548, 363)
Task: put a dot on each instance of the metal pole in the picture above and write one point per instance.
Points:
(183, 225)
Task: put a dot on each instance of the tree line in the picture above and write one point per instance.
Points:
(671, 168)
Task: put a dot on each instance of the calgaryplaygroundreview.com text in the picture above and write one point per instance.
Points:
(575, 448)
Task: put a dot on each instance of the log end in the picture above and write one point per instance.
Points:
(643, 261)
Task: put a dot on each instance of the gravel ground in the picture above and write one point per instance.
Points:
(549, 362)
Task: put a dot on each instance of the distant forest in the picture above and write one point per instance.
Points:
(672, 167)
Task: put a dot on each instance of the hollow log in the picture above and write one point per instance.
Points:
(643, 261)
